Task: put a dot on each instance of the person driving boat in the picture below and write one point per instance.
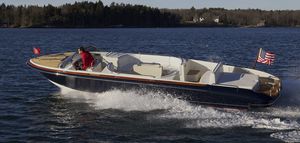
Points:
(86, 58)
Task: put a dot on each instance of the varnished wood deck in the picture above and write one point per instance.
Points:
(269, 86)
(52, 60)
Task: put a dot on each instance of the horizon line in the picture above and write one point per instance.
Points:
(59, 5)
(183, 8)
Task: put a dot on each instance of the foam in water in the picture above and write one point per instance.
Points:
(279, 118)
(198, 116)
(125, 100)
(293, 136)
(282, 111)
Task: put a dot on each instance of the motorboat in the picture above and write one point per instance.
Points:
(197, 81)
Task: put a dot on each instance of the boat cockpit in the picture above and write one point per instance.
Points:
(173, 68)
(126, 63)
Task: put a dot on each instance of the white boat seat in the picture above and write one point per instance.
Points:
(208, 78)
(246, 81)
(148, 69)
(211, 77)
(240, 80)
(193, 75)
(170, 75)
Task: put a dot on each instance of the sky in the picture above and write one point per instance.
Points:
(228, 4)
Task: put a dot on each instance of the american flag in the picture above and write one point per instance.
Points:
(265, 57)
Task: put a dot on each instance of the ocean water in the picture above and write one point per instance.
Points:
(34, 110)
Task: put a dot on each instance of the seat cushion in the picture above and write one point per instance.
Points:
(208, 78)
(193, 75)
(148, 69)
(247, 81)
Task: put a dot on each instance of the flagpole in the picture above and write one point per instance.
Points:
(254, 65)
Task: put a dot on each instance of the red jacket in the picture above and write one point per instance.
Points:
(87, 60)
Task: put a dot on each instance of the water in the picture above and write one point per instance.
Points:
(34, 110)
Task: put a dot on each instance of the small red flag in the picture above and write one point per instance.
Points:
(37, 51)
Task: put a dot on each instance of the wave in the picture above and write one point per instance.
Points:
(197, 116)
(293, 136)
(201, 117)
(282, 117)
(125, 100)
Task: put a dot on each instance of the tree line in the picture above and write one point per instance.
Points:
(85, 14)
(238, 17)
(95, 14)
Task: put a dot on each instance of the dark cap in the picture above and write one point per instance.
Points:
(82, 49)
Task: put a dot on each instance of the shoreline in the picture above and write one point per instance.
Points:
(138, 27)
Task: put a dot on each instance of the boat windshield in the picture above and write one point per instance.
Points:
(75, 57)
(69, 60)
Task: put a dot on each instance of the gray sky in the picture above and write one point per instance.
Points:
(228, 4)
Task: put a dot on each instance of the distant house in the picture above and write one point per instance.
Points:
(198, 20)
(261, 23)
(201, 19)
(216, 20)
(195, 19)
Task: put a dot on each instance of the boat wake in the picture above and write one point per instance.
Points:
(281, 119)
(288, 107)
(125, 100)
(293, 136)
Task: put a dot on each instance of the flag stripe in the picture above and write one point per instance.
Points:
(266, 57)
